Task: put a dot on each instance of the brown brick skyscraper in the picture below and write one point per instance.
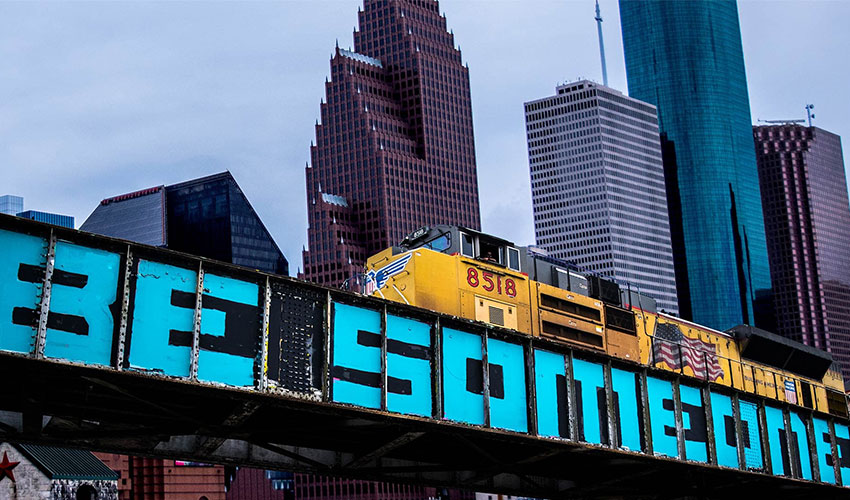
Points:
(807, 220)
(394, 150)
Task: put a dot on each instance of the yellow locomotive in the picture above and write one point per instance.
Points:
(466, 273)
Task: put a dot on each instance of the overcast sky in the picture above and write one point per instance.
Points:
(103, 98)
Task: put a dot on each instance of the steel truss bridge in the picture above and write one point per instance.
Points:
(113, 346)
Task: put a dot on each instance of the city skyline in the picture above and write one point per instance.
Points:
(234, 87)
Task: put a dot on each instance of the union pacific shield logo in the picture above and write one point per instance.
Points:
(377, 278)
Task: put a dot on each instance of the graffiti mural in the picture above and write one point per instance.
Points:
(108, 304)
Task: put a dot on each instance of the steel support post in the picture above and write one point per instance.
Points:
(125, 309)
(485, 364)
(739, 431)
(530, 387)
(833, 446)
(196, 323)
(644, 398)
(611, 409)
(44, 306)
(790, 443)
(680, 425)
(263, 364)
(767, 461)
(384, 358)
(437, 369)
(813, 449)
(327, 389)
(569, 362)
(710, 438)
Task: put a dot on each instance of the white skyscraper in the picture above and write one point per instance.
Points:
(597, 186)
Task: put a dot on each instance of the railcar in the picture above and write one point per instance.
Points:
(466, 273)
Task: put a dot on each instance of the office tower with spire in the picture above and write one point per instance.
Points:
(807, 217)
(686, 59)
(597, 186)
(394, 150)
(598, 19)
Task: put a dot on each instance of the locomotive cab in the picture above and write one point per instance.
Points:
(489, 279)
(456, 240)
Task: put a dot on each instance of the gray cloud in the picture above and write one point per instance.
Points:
(98, 99)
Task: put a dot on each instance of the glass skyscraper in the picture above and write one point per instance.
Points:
(210, 216)
(14, 205)
(11, 204)
(686, 58)
(55, 219)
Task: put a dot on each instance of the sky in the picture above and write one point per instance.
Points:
(103, 98)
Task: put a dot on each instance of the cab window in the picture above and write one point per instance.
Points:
(513, 258)
(440, 243)
(466, 247)
(491, 252)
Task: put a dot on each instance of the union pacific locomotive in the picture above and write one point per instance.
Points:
(466, 273)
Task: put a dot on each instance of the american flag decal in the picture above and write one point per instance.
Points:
(791, 391)
(671, 346)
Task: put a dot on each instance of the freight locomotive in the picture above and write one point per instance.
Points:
(466, 273)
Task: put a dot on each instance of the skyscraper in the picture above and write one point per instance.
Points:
(14, 205)
(807, 217)
(11, 204)
(394, 149)
(50, 218)
(209, 216)
(686, 59)
(597, 186)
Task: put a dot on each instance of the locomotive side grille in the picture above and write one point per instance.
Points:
(563, 332)
(568, 307)
(497, 316)
(621, 320)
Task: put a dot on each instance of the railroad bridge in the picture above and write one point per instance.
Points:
(113, 346)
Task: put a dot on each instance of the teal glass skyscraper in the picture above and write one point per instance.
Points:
(686, 58)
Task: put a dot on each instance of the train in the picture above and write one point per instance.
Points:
(473, 275)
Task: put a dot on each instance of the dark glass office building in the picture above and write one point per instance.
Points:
(807, 216)
(394, 150)
(686, 58)
(209, 216)
(50, 218)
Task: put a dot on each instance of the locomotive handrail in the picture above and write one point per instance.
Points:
(742, 364)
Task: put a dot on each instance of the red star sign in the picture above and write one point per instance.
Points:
(6, 468)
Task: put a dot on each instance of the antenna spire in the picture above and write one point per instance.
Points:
(601, 45)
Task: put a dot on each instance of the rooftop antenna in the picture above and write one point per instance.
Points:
(809, 108)
(781, 122)
(601, 45)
